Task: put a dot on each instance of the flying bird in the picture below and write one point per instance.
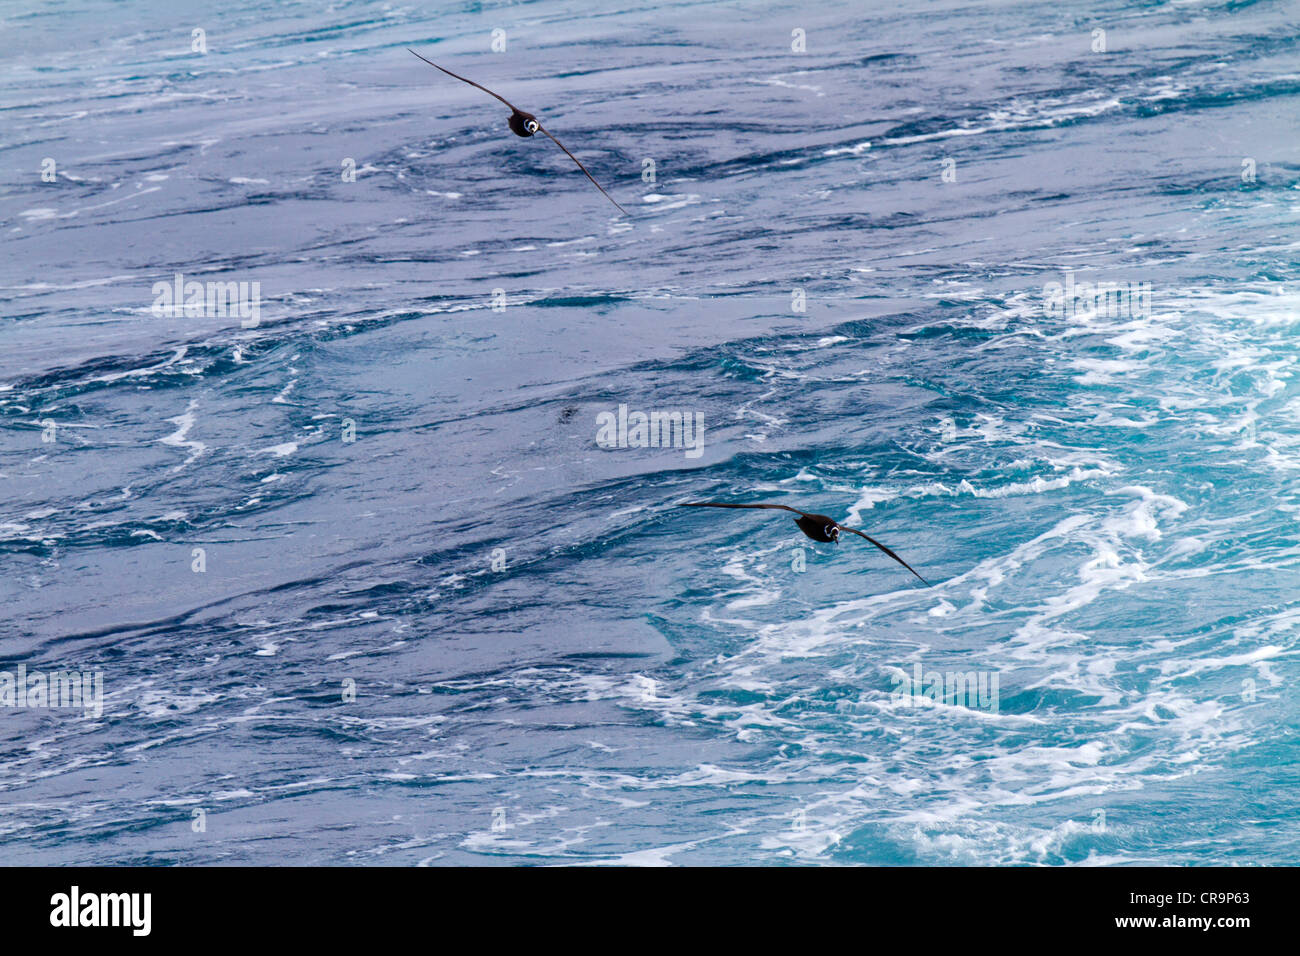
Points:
(525, 124)
(817, 527)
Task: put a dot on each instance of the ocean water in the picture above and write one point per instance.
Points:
(361, 585)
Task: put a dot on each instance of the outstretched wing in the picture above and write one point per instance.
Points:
(888, 552)
(723, 504)
(471, 83)
(580, 166)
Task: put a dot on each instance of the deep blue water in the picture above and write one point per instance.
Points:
(552, 663)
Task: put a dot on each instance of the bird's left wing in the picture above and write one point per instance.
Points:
(464, 80)
(728, 504)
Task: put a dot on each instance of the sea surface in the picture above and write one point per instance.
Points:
(363, 588)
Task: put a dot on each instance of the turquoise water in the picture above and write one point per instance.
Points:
(475, 635)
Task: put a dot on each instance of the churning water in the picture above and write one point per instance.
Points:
(360, 582)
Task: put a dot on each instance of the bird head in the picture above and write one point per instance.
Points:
(833, 532)
(531, 126)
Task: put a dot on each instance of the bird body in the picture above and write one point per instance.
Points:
(526, 125)
(523, 124)
(817, 527)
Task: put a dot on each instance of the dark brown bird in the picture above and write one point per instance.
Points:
(817, 527)
(525, 124)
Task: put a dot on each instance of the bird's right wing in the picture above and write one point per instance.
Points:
(470, 82)
(583, 168)
(888, 552)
